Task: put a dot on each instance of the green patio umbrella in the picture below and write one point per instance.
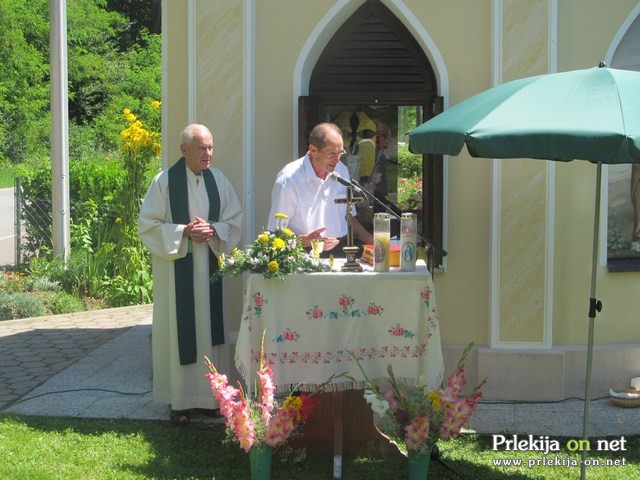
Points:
(591, 114)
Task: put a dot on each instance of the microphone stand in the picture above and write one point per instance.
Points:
(430, 244)
(350, 249)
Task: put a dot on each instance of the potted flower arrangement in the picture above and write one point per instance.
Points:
(258, 423)
(274, 254)
(419, 416)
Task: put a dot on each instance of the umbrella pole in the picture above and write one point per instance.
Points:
(594, 306)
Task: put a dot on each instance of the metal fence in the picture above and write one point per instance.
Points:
(33, 225)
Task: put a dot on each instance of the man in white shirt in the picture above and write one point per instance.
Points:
(304, 191)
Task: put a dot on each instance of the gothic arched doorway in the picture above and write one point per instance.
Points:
(376, 83)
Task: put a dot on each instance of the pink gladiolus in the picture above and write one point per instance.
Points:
(237, 409)
(457, 381)
(267, 390)
(281, 427)
(417, 433)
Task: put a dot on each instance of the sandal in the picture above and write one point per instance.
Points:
(180, 417)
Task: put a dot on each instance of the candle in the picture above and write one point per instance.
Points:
(381, 242)
(408, 233)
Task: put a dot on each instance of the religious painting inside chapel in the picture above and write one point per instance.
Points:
(623, 213)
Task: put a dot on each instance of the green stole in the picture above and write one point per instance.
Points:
(183, 267)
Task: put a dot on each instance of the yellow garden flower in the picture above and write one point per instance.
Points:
(129, 115)
(292, 402)
(234, 252)
(264, 238)
(278, 243)
(288, 232)
(156, 104)
(281, 216)
(273, 266)
(434, 398)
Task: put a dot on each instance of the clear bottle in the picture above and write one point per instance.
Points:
(381, 242)
(408, 242)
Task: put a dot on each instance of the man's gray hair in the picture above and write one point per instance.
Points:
(190, 131)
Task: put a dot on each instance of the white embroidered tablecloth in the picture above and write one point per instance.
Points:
(311, 321)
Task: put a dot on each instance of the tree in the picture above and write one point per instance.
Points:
(24, 89)
(113, 62)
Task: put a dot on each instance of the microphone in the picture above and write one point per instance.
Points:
(343, 181)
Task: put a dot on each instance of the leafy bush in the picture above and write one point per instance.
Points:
(62, 302)
(409, 164)
(44, 284)
(20, 305)
(93, 187)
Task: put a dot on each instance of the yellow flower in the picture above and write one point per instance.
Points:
(156, 104)
(118, 220)
(129, 116)
(434, 398)
(288, 232)
(292, 402)
(234, 252)
(264, 238)
(220, 261)
(273, 266)
(278, 243)
(281, 216)
(331, 261)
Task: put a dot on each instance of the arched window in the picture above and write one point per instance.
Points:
(376, 83)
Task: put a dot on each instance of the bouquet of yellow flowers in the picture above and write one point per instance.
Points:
(273, 254)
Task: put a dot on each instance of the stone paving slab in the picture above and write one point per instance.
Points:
(35, 349)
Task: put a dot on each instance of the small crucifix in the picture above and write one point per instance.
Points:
(350, 250)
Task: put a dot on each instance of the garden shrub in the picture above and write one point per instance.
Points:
(20, 305)
(45, 284)
(62, 302)
(409, 164)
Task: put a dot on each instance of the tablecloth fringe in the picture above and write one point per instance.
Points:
(340, 386)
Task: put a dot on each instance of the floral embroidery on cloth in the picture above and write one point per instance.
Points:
(341, 356)
(348, 311)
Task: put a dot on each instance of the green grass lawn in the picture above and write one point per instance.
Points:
(45, 448)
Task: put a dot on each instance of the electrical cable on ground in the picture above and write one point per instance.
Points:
(17, 402)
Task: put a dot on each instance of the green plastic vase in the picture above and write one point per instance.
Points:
(260, 458)
(418, 464)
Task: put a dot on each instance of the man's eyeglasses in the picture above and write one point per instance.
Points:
(333, 155)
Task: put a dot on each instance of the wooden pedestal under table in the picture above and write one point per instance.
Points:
(312, 321)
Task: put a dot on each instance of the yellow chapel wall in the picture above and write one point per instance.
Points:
(461, 32)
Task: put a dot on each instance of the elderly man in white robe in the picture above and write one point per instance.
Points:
(190, 214)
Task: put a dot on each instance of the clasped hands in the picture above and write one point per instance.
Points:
(199, 230)
(329, 242)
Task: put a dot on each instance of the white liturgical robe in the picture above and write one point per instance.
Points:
(185, 386)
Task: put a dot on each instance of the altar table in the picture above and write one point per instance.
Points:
(313, 322)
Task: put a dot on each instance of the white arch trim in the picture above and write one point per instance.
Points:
(327, 27)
